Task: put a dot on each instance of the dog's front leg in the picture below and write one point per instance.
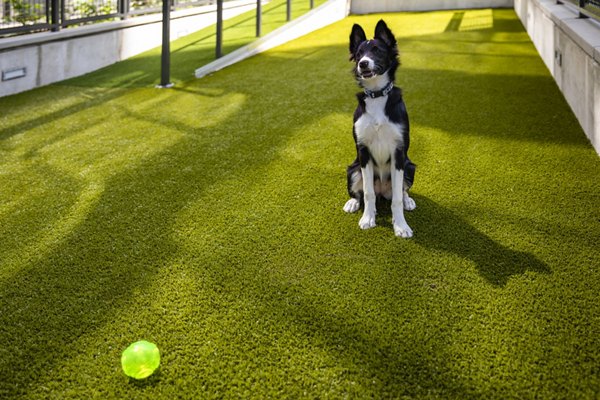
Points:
(401, 228)
(368, 218)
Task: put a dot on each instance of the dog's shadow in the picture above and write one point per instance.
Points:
(437, 227)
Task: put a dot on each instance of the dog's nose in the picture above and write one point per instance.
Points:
(363, 64)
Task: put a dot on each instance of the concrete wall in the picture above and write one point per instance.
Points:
(377, 6)
(54, 56)
(570, 48)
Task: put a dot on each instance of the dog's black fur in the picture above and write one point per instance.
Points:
(384, 133)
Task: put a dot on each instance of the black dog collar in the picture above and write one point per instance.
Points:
(378, 93)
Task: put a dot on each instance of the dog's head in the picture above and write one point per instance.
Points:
(374, 58)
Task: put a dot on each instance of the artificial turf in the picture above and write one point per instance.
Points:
(208, 219)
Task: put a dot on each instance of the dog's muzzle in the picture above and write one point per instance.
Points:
(366, 68)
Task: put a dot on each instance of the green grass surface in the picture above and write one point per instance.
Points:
(208, 219)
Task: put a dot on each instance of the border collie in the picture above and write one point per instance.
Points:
(382, 167)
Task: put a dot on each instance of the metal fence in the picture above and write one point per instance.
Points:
(25, 16)
(587, 8)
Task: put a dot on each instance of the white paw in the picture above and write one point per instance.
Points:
(367, 221)
(352, 206)
(403, 230)
(409, 203)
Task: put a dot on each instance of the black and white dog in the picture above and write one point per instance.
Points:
(381, 132)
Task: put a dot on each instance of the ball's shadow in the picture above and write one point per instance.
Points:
(150, 381)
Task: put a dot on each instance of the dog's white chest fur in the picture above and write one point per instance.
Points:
(377, 132)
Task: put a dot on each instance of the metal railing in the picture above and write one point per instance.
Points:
(25, 16)
(587, 8)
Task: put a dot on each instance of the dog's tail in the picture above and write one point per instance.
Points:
(409, 173)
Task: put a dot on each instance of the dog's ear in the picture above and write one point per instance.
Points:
(357, 36)
(382, 32)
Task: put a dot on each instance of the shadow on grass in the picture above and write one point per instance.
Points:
(82, 103)
(407, 355)
(441, 229)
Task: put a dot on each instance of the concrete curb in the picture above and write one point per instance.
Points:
(326, 14)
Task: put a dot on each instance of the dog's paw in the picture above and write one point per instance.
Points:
(409, 203)
(403, 230)
(352, 206)
(367, 221)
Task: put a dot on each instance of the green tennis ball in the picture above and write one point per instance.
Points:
(140, 359)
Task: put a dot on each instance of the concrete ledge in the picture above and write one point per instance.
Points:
(379, 6)
(557, 12)
(585, 33)
(326, 14)
(570, 48)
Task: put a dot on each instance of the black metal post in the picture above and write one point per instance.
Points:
(312, 4)
(289, 10)
(219, 46)
(166, 46)
(258, 17)
(55, 15)
(123, 8)
(582, 6)
(63, 13)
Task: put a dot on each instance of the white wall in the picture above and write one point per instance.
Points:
(570, 48)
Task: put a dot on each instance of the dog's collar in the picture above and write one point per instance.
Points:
(379, 93)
